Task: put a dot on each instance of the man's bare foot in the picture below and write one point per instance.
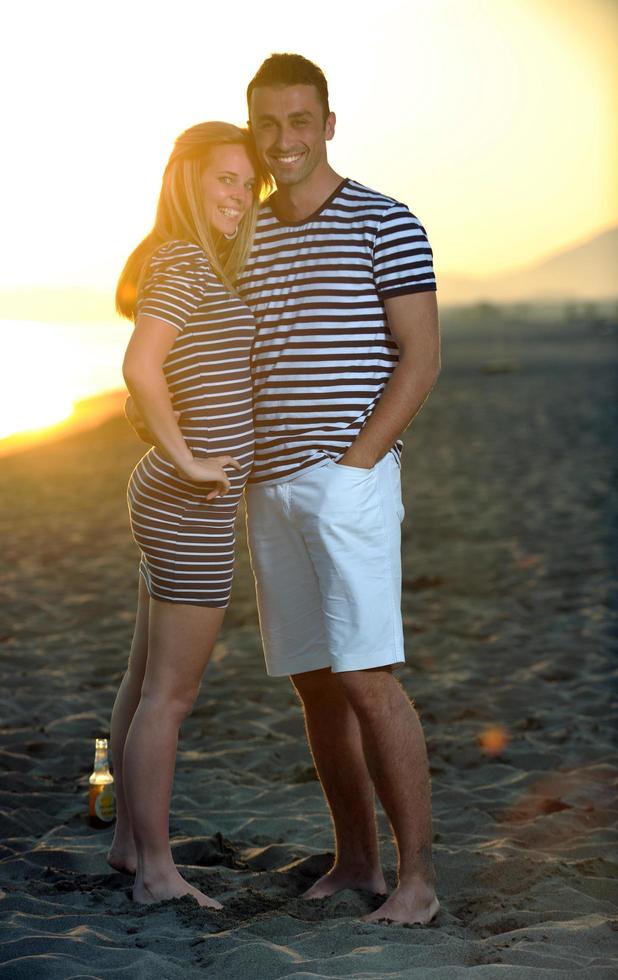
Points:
(409, 904)
(170, 886)
(122, 859)
(337, 879)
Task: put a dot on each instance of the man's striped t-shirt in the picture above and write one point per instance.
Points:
(323, 351)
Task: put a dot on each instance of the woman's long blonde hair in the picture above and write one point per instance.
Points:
(181, 216)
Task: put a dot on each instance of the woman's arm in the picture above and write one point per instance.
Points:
(150, 343)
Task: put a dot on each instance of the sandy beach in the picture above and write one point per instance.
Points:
(510, 616)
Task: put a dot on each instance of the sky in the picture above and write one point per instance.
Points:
(494, 120)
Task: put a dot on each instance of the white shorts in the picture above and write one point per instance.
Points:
(326, 555)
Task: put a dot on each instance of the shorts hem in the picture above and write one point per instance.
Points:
(367, 663)
(359, 663)
(287, 670)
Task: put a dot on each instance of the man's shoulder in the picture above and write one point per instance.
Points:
(361, 192)
(363, 196)
(388, 216)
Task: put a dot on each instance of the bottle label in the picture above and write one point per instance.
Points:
(104, 805)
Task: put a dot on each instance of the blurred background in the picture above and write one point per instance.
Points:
(494, 120)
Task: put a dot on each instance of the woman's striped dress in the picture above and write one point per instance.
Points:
(187, 542)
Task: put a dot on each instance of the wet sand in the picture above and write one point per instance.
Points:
(510, 616)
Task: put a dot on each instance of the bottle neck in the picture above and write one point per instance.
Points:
(101, 761)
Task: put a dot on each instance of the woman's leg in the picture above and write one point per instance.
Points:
(180, 641)
(121, 855)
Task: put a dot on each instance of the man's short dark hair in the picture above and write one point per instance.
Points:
(290, 69)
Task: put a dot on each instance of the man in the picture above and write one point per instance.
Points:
(347, 350)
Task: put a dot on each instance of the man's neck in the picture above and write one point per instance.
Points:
(300, 201)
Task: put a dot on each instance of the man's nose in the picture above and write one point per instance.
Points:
(286, 138)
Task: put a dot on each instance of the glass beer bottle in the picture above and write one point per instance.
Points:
(101, 802)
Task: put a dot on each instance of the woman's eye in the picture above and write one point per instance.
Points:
(225, 180)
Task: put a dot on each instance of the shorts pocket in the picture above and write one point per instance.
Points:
(361, 471)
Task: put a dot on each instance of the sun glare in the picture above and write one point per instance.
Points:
(56, 367)
(34, 395)
(27, 418)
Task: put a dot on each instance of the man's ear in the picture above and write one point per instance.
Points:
(329, 126)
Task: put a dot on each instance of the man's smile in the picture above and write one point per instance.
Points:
(287, 159)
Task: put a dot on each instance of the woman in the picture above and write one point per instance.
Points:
(188, 359)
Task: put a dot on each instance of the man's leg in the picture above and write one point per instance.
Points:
(352, 531)
(291, 619)
(327, 565)
(335, 740)
(394, 749)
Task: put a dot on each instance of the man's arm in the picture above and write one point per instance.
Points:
(414, 325)
(136, 421)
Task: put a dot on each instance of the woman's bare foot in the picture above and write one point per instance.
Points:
(122, 855)
(411, 903)
(171, 885)
(337, 879)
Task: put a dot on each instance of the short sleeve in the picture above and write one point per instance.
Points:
(402, 256)
(175, 284)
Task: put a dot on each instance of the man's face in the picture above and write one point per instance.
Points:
(289, 130)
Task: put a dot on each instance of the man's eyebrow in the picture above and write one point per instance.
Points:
(268, 117)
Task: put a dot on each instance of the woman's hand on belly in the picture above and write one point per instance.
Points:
(210, 471)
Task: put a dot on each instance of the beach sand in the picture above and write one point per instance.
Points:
(509, 627)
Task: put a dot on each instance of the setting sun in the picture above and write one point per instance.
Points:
(34, 396)
(57, 365)
(18, 418)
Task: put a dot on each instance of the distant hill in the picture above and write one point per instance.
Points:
(588, 271)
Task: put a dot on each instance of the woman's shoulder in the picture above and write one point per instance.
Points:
(177, 269)
(179, 254)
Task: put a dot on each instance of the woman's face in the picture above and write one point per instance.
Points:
(227, 182)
